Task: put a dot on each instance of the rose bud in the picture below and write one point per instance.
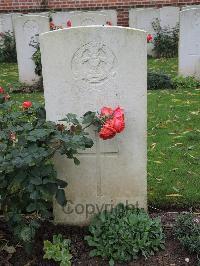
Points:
(149, 38)
(69, 23)
(109, 23)
(13, 136)
(1, 90)
(60, 127)
(52, 25)
(27, 104)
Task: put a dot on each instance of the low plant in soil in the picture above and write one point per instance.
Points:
(58, 250)
(124, 234)
(187, 230)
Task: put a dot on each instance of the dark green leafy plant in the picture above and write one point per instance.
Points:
(124, 234)
(28, 180)
(158, 81)
(36, 57)
(180, 82)
(7, 47)
(58, 250)
(165, 40)
(187, 230)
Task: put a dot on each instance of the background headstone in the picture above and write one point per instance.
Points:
(27, 28)
(6, 23)
(142, 18)
(189, 43)
(190, 6)
(169, 16)
(85, 18)
(99, 66)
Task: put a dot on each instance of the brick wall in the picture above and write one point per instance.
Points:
(122, 6)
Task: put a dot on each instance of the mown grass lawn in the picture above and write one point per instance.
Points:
(173, 138)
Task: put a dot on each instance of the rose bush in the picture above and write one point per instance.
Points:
(28, 180)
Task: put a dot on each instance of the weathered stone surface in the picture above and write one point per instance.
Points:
(27, 29)
(99, 66)
(85, 18)
(189, 43)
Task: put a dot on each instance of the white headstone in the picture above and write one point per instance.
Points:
(115, 73)
(85, 18)
(6, 23)
(169, 16)
(142, 18)
(27, 30)
(190, 6)
(189, 43)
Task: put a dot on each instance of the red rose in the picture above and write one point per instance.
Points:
(109, 23)
(107, 131)
(118, 124)
(1, 90)
(69, 23)
(106, 111)
(52, 25)
(27, 104)
(149, 38)
(119, 113)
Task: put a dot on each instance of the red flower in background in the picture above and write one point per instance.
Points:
(69, 23)
(109, 23)
(27, 104)
(2, 90)
(52, 25)
(149, 38)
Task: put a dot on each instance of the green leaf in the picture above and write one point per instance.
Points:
(111, 262)
(60, 197)
(76, 161)
(31, 207)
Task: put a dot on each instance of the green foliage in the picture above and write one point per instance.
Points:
(187, 230)
(124, 234)
(36, 57)
(58, 250)
(165, 40)
(157, 81)
(28, 180)
(7, 47)
(185, 82)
